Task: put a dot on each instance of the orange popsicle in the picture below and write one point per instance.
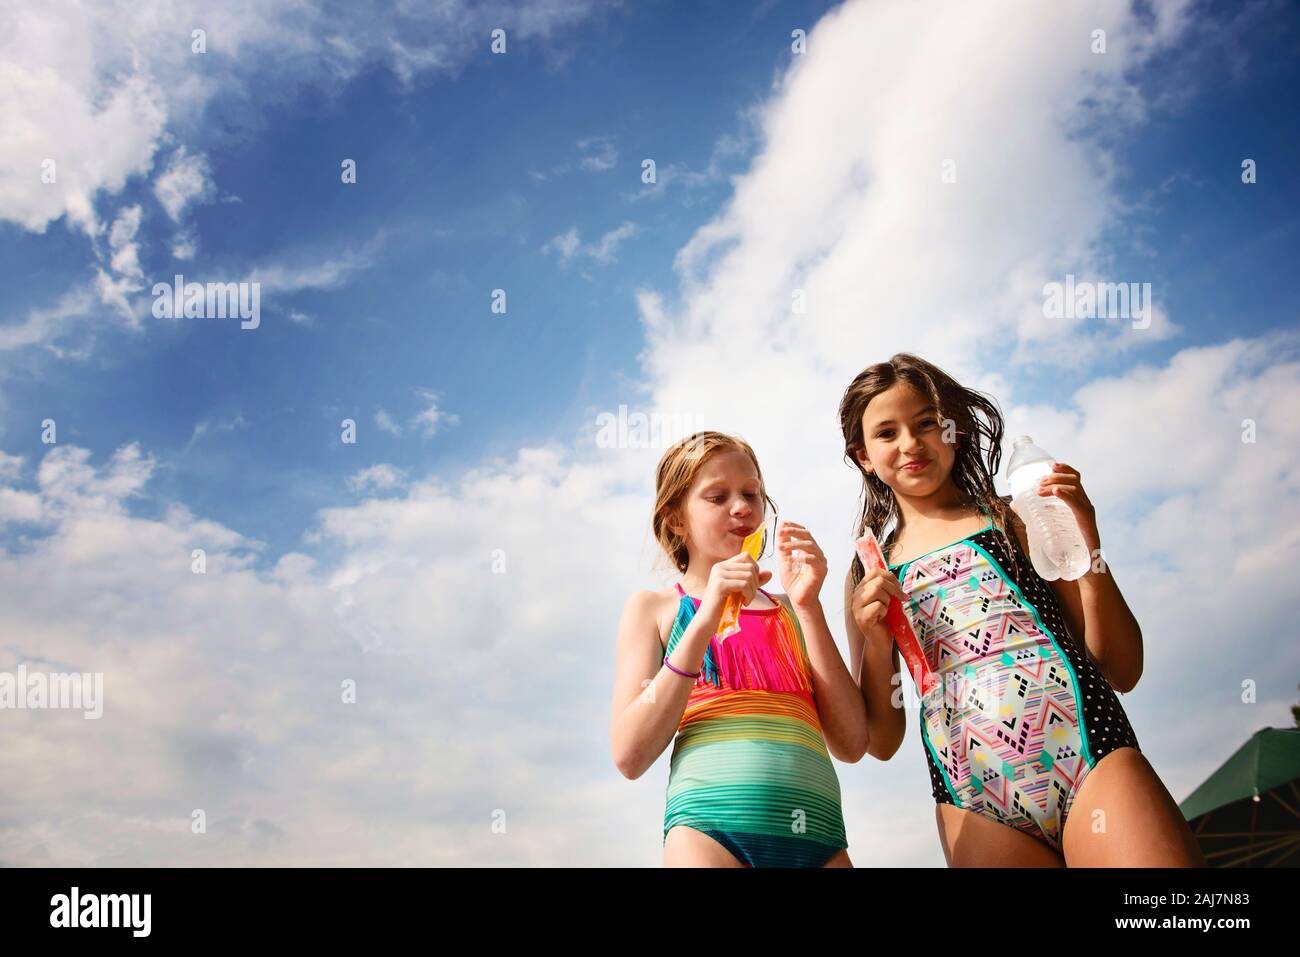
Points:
(729, 623)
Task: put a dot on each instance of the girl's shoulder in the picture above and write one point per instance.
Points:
(657, 605)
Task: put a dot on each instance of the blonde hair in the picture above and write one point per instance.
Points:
(676, 474)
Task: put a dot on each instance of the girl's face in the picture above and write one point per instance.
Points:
(724, 504)
(903, 435)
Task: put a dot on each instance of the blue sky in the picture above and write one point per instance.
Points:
(523, 172)
(463, 180)
(451, 197)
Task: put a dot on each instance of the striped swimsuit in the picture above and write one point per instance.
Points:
(749, 766)
(1022, 714)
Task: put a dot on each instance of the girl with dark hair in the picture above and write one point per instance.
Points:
(1032, 759)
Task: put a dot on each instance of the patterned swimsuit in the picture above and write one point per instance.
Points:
(1023, 713)
(750, 767)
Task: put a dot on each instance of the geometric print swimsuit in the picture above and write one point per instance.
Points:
(1021, 714)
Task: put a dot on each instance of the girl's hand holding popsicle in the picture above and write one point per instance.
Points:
(871, 602)
(732, 584)
(895, 618)
(802, 564)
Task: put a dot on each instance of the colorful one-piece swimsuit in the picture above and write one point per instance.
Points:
(750, 767)
(1022, 713)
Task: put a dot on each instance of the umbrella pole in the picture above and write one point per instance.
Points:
(1289, 809)
(1257, 850)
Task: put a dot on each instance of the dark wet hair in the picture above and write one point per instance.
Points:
(978, 427)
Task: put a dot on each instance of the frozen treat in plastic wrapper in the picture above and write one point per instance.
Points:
(896, 619)
(729, 623)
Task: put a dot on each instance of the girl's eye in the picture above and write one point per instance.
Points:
(751, 495)
(716, 500)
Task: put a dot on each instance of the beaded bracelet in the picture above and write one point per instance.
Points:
(684, 674)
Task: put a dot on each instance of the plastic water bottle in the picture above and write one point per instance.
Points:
(1056, 546)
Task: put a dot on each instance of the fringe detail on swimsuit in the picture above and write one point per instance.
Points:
(764, 656)
(709, 673)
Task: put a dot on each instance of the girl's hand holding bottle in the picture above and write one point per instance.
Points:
(1065, 483)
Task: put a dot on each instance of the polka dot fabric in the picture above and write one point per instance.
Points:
(1104, 717)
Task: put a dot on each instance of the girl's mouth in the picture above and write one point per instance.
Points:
(915, 466)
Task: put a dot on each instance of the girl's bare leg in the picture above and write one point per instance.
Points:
(970, 839)
(1124, 817)
(687, 847)
(841, 859)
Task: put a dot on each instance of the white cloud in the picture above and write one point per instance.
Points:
(11, 467)
(16, 505)
(727, 146)
(185, 245)
(19, 506)
(96, 85)
(382, 478)
(215, 425)
(96, 142)
(115, 291)
(568, 245)
(431, 419)
(116, 286)
(46, 325)
(121, 240)
(67, 482)
(604, 252)
(187, 180)
(124, 262)
(328, 272)
(387, 422)
(99, 89)
(599, 154)
(223, 689)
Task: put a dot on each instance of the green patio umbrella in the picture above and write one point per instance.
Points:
(1247, 814)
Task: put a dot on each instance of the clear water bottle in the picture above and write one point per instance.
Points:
(1056, 546)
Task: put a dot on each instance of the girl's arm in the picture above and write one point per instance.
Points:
(874, 666)
(1093, 605)
(839, 703)
(649, 698)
